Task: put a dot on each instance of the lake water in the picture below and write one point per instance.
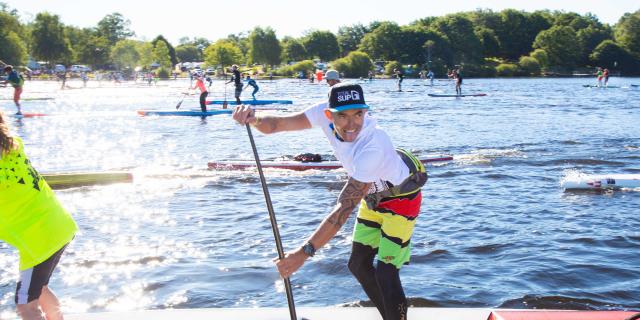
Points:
(496, 229)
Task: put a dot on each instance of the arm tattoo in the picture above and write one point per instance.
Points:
(349, 197)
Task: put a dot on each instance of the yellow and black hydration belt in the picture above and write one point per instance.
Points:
(413, 183)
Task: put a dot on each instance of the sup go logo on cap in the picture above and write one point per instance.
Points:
(345, 97)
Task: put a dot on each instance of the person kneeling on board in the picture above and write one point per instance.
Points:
(203, 91)
(34, 222)
(385, 182)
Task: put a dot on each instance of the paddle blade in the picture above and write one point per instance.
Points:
(224, 104)
(178, 105)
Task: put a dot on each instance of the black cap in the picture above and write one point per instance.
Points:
(346, 96)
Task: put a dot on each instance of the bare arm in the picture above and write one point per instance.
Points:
(349, 198)
(271, 123)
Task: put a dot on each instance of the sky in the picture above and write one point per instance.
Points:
(215, 19)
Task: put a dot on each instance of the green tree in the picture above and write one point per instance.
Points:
(161, 55)
(490, 42)
(529, 65)
(355, 64)
(560, 44)
(464, 42)
(124, 54)
(517, 31)
(188, 53)
(322, 44)
(541, 56)
(627, 32)
(114, 27)
(223, 53)
(264, 46)
(293, 50)
(48, 39)
(88, 47)
(610, 55)
(383, 42)
(172, 51)
(241, 41)
(145, 52)
(13, 49)
(589, 38)
(349, 37)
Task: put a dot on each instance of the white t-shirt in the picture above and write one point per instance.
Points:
(370, 158)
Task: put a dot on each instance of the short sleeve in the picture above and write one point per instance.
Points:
(368, 165)
(315, 114)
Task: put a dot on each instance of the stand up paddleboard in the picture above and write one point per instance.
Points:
(602, 182)
(597, 86)
(251, 102)
(28, 115)
(186, 113)
(456, 95)
(79, 179)
(30, 99)
(350, 313)
(299, 165)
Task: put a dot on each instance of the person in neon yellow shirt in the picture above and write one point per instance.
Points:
(34, 222)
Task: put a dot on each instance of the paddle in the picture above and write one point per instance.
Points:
(224, 104)
(274, 224)
(180, 103)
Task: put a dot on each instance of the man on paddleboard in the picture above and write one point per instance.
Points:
(237, 80)
(385, 182)
(35, 223)
(17, 82)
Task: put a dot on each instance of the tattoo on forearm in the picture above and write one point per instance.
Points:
(349, 197)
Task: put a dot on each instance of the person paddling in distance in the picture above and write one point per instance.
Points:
(17, 82)
(251, 82)
(399, 77)
(237, 80)
(457, 75)
(203, 91)
(385, 182)
(35, 223)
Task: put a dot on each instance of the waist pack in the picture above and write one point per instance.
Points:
(417, 178)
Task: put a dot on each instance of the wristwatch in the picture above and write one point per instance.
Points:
(309, 249)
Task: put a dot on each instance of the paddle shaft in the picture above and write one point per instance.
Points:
(274, 223)
(180, 103)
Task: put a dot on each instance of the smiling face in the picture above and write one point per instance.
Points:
(347, 123)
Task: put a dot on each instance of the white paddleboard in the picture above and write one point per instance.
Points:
(600, 182)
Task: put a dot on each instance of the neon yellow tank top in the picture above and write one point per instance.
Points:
(31, 218)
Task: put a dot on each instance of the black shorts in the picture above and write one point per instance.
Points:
(238, 91)
(33, 279)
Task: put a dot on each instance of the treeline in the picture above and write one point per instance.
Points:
(483, 42)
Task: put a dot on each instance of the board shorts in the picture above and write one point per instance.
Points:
(238, 92)
(388, 227)
(32, 280)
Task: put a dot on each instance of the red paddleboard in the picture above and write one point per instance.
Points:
(299, 165)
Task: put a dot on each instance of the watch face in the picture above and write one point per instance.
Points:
(308, 249)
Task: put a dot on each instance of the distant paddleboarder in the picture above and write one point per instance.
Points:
(237, 80)
(605, 75)
(430, 76)
(251, 82)
(17, 82)
(457, 75)
(203, 91)
(399, 77)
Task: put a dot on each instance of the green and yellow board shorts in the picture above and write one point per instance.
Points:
(388, 227)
